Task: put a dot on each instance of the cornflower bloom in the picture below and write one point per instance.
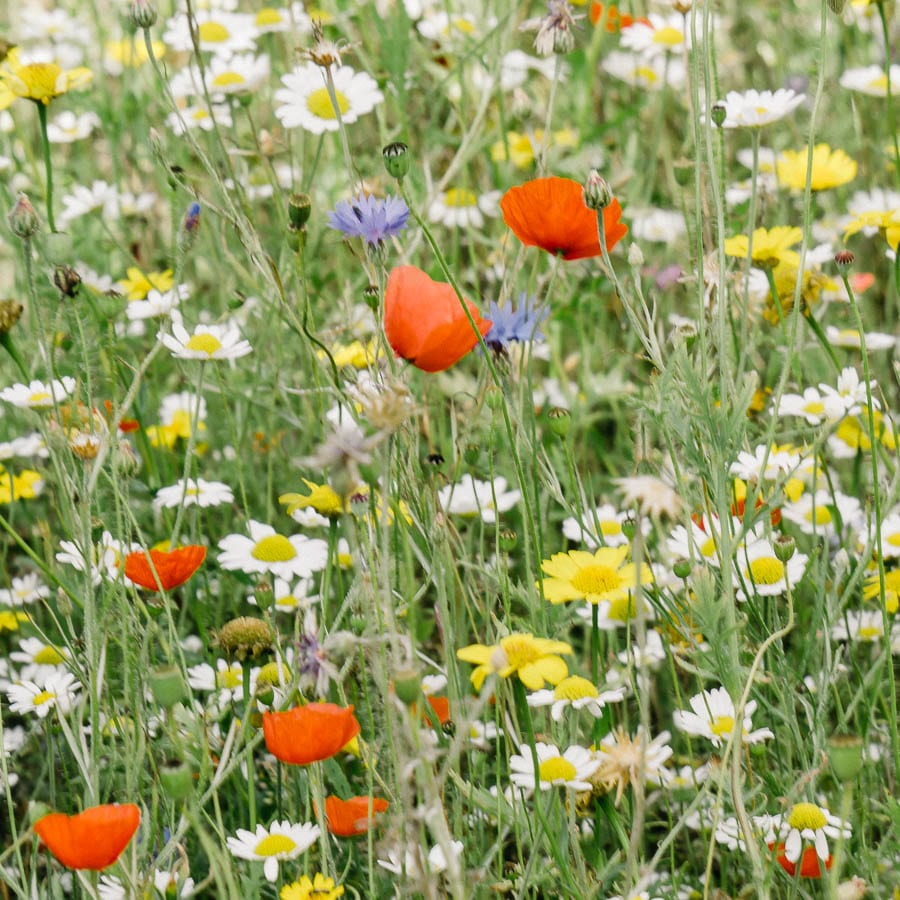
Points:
(370, 217)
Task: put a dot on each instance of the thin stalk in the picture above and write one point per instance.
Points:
(48, 165)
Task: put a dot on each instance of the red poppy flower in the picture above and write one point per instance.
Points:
(441, 707)
(348, 818)
(424, 320)
(612, 19)
(307, 734)
(550, 213)
(810, 864)
(93, 839)
(174, 567)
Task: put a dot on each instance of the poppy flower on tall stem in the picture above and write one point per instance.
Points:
(308, 734)
(93, 839)
(348, 818)
(425, 323)
(550, 213)
(169, 568)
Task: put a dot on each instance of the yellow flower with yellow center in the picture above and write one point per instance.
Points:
(321, 497)
(131, 54)
(42, 81)
(137, 285)
(355, 354)
(872, 589)
(811, 288)
(533, 660)
(319, 103)
(887, 222)
(575, 688)
(10, 619)
(24, 486)
(770, 245)
(317, 888)
(522, 147)
(851, 432)
(830, 168)
(602, 576)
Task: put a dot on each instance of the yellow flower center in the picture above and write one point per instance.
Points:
(596, 579)
(669, 37)
(645, 73)
(767, 570)
(288, 601)
(823, 516)
(556, 769)
(269, 675)
(199, 114)
(894, 539)
(518, 651)
(610, 528)
(807, 815)
(204, 343)
(49, 656)
(456, 197)
(814, 408)
(274, 548)
(320, 105)
(869, 632)
(39, 397)
(230, 678)
(43, 697)
(268, 16)
(213, 33)
(879, 83)
(39, 81)
(226, 79)
(463, 25)
(192, 492)
(708, 547)
(275, 844)
(722, 725)
(574, 688)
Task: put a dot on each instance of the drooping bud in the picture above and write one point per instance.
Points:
(176, 779)
(837, 6)
(23, 218)
(396, 159)
(67, 280)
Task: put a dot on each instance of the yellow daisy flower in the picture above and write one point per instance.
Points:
(522, 147)
(10, 619)
(41, 82)
(830, 168)
(872, 588)
(137, 285)
(321, 497)
(24, 486)
(770, 245)
(888, 223)
(602, 576)
(533, 660)
(317, 888)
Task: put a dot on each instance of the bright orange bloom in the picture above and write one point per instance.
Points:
(307, 734)
(93, 839)
(348, 818)
(550, 213)
(174, 567)
(611, 18)
(441, 707)
(424, 320)
(810, 865)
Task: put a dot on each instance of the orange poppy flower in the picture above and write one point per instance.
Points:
(550, 213)
(441, 707)
(348, 818)
(810, 864)
(612, 19)
(424, 320)
(93, 839)
(307, 734)
(174, 567)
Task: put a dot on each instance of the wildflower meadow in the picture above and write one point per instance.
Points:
(449, 448)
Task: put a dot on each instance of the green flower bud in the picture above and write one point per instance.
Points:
(845, 754)
(682, 568)
(396, 159)
(596, 191)
(560, 421)
(508, 540)
(784, 546)
(407, 685)
(142, 14)
(23, 218)
(176, 779)
(67, 280)
(629, 527)
(718, 114)
(299, 210)
(167, 686)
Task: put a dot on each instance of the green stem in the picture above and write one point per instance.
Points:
(48, 165)
(892, 126)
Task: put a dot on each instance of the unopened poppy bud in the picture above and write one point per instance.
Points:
(559, 420)
(508, 540)
(845, 755)
(718, 114)
(596, 191)
(629, 527)
(843, 258)
(23, 218)
(167, 686)
(784, 546)
(299, 210)
(67, 280)
(142, 14)
(682, 568)
(245, 636)
(396, 159)
(10, 311)
(176, 779)
(407, 686)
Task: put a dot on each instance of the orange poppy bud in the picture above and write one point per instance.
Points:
(174, 567)
(93, 839)
(424, 320)
(348, 818)
(810, 864)
(307, 734)
(550, 213)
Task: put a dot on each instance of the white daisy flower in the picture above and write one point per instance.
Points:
(652, 73)
(173, 884)
(820, 513)
(111, 888)
(83, 200)
(309, 518)
(600, 527)
(763, 574)
(871, 80)
(238, 74)
(700, 541)
(24, 447)
(441, 26)
(570, 769)
(809, 822)
(68, 127)
(59, 690)
(37, 394)
(207, 341)
(810, 405)
(306, 103)
(657, 36)
(866, 625)
(267, 552)
(849, 394)
(578, 693)
(416, 864)
(227, 680)
(272, 20)
(471, 497)
(712, 717)
(482, 735)
(662, 226)
(219, 32)
(651, 655)
(290, 599)
(193, 492)
(280, 841)
(461, 208)
(157, 303)
(38, 659)
(180, 406)
(191, 117)
(433, 684)
(25, 590)
(753, 109)
(764, 463)
(849, 337)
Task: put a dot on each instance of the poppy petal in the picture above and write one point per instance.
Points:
(307, 734)
(174, 567)
(93, 839)
(348, 818)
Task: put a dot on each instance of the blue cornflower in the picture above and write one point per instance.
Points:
(520, 324)
(370, 217)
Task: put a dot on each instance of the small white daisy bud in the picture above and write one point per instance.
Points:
(635, 256)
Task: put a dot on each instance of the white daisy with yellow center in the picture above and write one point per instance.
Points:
(59, 691)
(712, 716)
(38, 394)
(576, 693)
(193, 117)
(890, 535)
(663, 34)
(762, 574)
(207, 342)
(267, 552)
(219, 32)
(871, 80)
(810, 822)
(226, 680)
(570, 770)
(280, 841)
(600, 527)
(849, 337)
(193, 492)
(865, 626)
(809, 405)
(699, 542)
(459, 207)
(39, 659)
(471, 497)
(307, 104)
(823, 513)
